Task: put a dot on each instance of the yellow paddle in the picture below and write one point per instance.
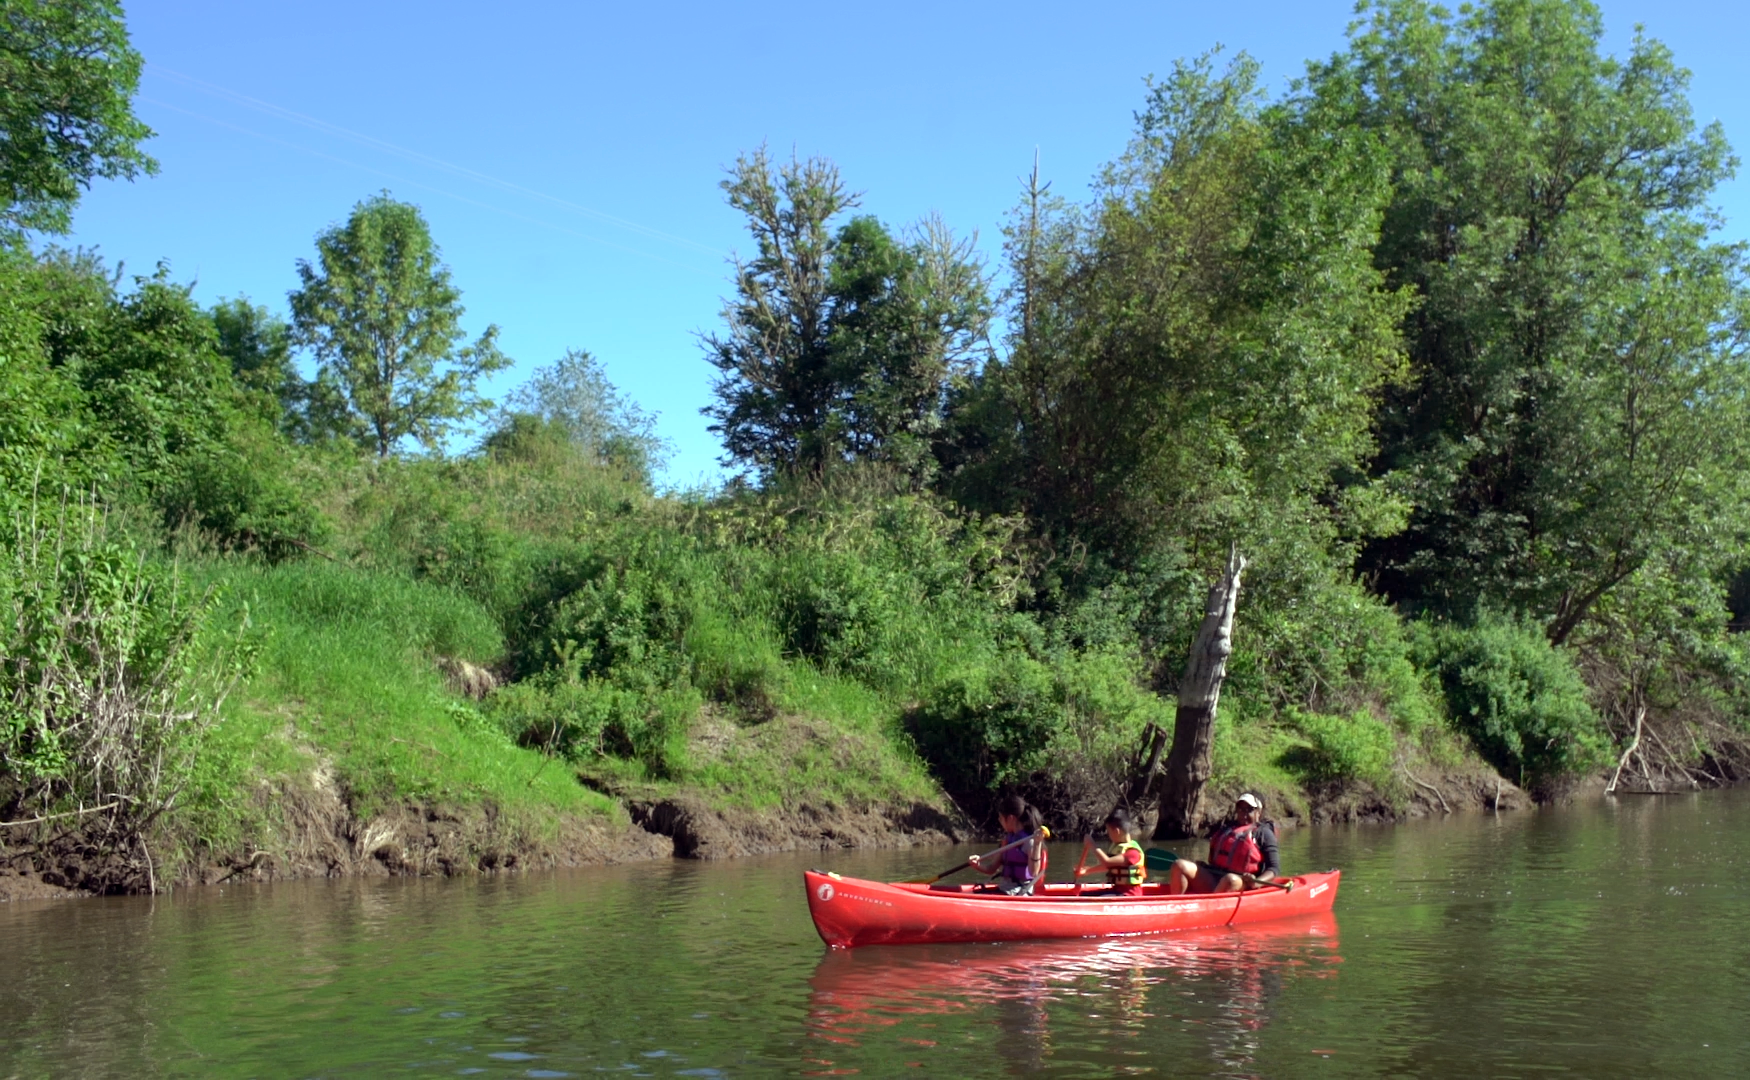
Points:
(1043, 834)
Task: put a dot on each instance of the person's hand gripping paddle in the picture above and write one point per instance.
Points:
(1082, 863)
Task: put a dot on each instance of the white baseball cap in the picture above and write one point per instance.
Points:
(1251, 800)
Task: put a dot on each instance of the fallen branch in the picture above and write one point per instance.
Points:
(312, 550)
(1640, 717)
(1443, 807)
(53, 817)
(1672, 759)
(254, 861)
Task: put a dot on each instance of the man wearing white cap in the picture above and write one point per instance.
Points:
(1241, 853)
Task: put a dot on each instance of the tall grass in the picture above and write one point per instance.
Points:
(347, 671)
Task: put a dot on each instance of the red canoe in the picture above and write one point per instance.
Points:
(851, 911)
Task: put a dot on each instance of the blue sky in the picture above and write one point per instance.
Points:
(567, 155)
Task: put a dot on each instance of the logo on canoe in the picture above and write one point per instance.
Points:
(825, 891)
(1317, 889)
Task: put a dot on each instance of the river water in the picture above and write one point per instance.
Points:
(1595, 941)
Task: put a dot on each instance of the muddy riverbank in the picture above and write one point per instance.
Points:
(318, 832)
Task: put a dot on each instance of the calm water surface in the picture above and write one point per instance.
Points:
(1603, 940)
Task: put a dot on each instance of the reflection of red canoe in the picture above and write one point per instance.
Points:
(850, 911)
(861, 992)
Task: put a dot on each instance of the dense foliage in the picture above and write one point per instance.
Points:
(67, 80)
(1442, 339)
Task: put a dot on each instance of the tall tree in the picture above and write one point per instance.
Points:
(840, 343)
(909, 317)
(1578, 395)
(1205, 341)
(775, 389)
(384, 320)
(67, 79)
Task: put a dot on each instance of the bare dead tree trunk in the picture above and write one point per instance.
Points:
(1188, 764)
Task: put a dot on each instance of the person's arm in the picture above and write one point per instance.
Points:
(1102, 861)
(1036, 857)
(1267, 845)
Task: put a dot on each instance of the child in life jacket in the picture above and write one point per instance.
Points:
(1241, 854)
(1124, 866)
(1018, 869)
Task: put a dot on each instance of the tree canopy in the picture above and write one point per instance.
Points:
(67, 79)
(840, 344)
(381, 314)
(1577, 343)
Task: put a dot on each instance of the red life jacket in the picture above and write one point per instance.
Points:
(1235, 850)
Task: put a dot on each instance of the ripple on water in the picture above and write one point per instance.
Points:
(1473, 946)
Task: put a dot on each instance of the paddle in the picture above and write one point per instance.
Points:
(1081, 863)
(1161, 859)
(1043, 834)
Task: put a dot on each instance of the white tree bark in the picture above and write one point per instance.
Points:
(1188, 763)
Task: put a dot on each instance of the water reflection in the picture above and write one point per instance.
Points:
(1598, 941)
(1218, 986)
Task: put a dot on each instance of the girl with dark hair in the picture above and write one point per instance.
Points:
(1019, 868)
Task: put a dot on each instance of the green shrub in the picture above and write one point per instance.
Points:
(113, 674)
(1518, 698)
(990, 726)
(594, 718)
(1355, 746)
(242, 503)
(1003, 723)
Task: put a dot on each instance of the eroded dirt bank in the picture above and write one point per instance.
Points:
(319, 835)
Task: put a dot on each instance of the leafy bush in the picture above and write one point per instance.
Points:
(593, 717)
(990, 726)
(112, 672)
(1356, 746)
(1518, 698)
(1014, 719)
(243, 503)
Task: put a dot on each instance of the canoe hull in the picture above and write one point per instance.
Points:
(850, 912)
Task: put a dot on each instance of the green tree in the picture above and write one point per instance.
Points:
(909, 319)
(1205, 342)
(67, 78)
(841, 343)
(384, 320)
(775, 390)
(574, 394)
(258, 344)
(1578, 400)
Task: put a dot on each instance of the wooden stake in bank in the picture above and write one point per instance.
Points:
(1188, 764)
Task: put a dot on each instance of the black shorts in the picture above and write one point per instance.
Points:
(1206, 879)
